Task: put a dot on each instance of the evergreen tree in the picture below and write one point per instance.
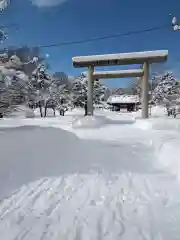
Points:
(166, 87)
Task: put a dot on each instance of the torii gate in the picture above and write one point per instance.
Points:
(145, 58)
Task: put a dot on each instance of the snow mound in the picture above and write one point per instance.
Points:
(89, 122)
(166, 124)
(158, 111)
(22, 112)
(144, 124)
(101, 120)
(158, 124)
(168, 157)
(29, 113)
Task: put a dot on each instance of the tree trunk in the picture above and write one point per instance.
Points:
(40, 109)
(45, 110)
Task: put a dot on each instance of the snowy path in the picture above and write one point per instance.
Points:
(92, 207)
(56, 184)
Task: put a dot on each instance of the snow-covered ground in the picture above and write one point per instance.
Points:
(112, 176)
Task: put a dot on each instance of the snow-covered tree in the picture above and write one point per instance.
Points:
(4, 4)
(41, 83)
(55, 91)
(27, 80)
(80, 87)
(166, 87)
(61, 88)
(13, 87)
(175, 24)
(26, 55)
(24, 80)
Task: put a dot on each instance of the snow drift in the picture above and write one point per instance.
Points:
(60, 187)
(21, 111)
(89, 122)
(100, 121)
(168, 157)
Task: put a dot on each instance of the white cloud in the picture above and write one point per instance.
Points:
(47, 3)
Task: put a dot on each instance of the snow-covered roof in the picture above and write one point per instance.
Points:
(123, 99)
(120, 58)
(3, 55)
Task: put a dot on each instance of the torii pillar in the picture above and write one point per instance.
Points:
(145, 92)
(90, 90)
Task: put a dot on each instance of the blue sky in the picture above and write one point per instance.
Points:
(42, 22)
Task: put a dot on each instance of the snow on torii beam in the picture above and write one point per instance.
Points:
(120, 59)
(144, 58)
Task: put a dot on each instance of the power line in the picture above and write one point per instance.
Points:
(8, 26)
(96, 39)
(118, 35)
